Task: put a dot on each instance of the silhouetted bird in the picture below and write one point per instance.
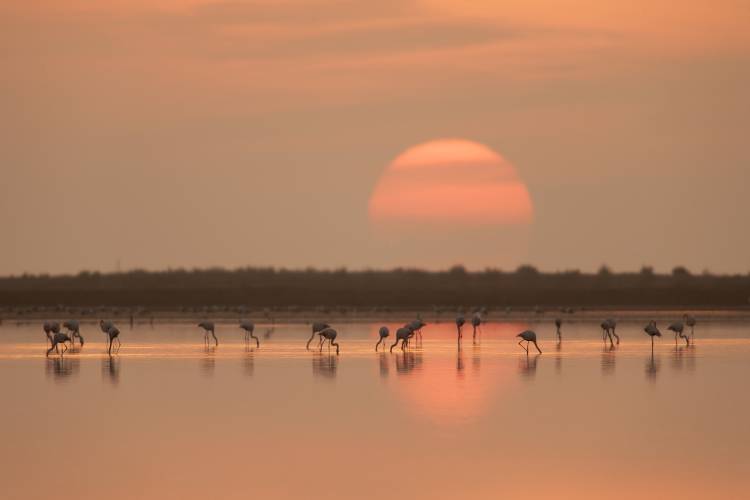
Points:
(383, 332)
(249, 328)
(476, 323)
(529, 337)
(690, 321)
(329, 334)
(113, 334)
(652, 331)
(50, 328)
(317, 328)
(74, 329)
(558, 325)
(208, 327)
(460, 321)
(104, 326)
(59, 338)
(402, 335)
(678, 328)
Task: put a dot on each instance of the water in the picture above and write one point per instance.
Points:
(167, 418)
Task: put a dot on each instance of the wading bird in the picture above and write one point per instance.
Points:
(558, 325)
(678, 328)
(113, 334)
(208, 327)
(328, 334)
(249, 328)
(74, 330)
(476, 323)
(59, 338)
(690, 321)
(317, 328)
(104, 326)
(652, 331)
(416, 327)
(383, 332)
(50, 328)
(608, 329)
(529, 337)
(402, 335)
(460, 321)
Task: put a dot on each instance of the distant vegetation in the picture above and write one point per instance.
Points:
(398, 288)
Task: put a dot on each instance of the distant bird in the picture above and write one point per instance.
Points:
(249, 328)
(558, 325)
(113, 334)
(402, 335)
(690, 321)
(529, 337)
(678, 328)
(104, 326)
(416, 326)
(50, 328)
(74, 329)
(316, 329)
(608, 329)
(329, 334)
(59, 338)
(383, 332)
(460, 321)
(476, 322)
(208, 327)
(652, 331)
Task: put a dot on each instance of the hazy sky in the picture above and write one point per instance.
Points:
(200, 133)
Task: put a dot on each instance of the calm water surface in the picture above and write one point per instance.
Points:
(166, 418)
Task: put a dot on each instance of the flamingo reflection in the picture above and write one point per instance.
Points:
(608, 359)
(325, 365)
(111, 369)
(527, 365)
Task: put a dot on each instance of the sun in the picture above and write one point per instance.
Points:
(448, 183)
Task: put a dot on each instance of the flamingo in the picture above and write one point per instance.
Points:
(529, 337)
(460, 321)
(249, 328)
(104, 326)
(208, 327)
(74, 329)
(678, 328)
(50, 328)
(330, 335)
(383, 332)
(113, 334)
(608, 329)
(476, 322)
(402, 334)
(652, 331)
(690, 321)
(558, 325)
(416, 326)
(317, 328)
(59, 338)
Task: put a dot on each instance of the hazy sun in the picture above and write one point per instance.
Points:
(449, 182)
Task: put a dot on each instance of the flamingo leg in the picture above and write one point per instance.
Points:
(520, 342)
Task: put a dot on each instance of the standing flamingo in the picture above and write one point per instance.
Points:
(74, 330)
(208, 327)
(104, 326)
(558, 325)
(317, 328)
(416, 326)
(329, 334)
(460, 321)
(690, 321)
(652, 331)
(402, 335)
(383, 332)
(476, 323)
(529, 337)
(249, 328)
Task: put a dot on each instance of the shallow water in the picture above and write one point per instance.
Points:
(168, 418)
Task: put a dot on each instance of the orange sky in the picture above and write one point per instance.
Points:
(197, 133)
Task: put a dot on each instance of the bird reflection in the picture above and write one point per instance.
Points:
(459, 361)
(249, 360)
(111, 370)
(408, 361)
(324, 365)
(60, 368)
(383, 364)
(652, 367)
(558, 357)
(683, 357)
(608, 359)
(475, 357)
(527, 365)
(208, 362)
